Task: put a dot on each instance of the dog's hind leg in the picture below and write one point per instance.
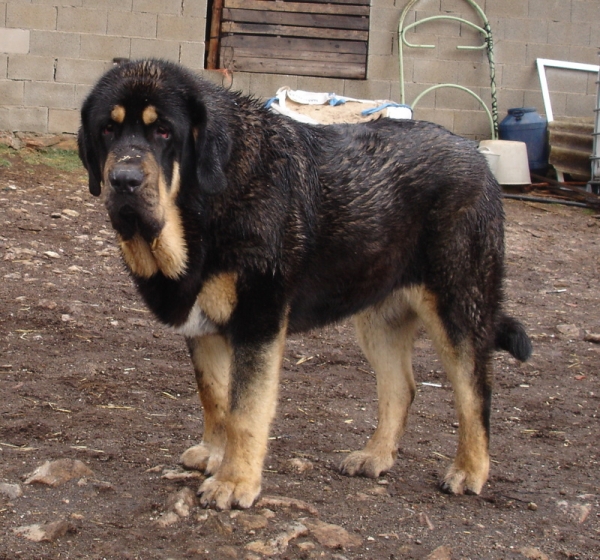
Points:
(211, 356)
(467, 368)
(386, 336)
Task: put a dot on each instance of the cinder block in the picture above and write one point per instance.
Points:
(515, 76)
(567, 81)
(413, 91)
(525, 30)
(63, 121)
(192, 55)
(11, 92)
(194, 8)
(80, 71)
(453, 98)
(3, 65)
(14, 40)
(472, 124)
(325, 85)
(382, 44)
(240, 82)
(5, 119)
(509, 98)
(110, 5)
(558, 102)
(82, 20)
(508, 8)
(580, 105)
(369, 89)
(265, 85)
(27, 119)
(174, 28)
(436, 72)
(534, 99)
(586, 11)
(587, 55)
(159, 6)
(510, 52)
(460, 7)
(443, 117)
(550, 10)
(104, 47)
(30, 16)
(384, 20)
(81, 92)
(132, 24)
(382, 68)
(537, 50)
(145, 48)
(565, 33)
(30, 67)
(474, 74)
(447, 48)
(59, 44)
(49, 94)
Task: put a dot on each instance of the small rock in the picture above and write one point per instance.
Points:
(332, 536)
(52, 254)
(70, 213)
(300, 465)
(277, 501)
(227, 552)
(440, 553)
(280, 543)
(167, 519)
(533, 553)
(11, 491)
(47, 304)
(532, 506)
(58, 472)
(43, 533)
(182, 502)
(251, 522)
(576, 512)
(570, 331)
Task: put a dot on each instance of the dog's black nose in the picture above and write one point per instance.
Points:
(126, 178)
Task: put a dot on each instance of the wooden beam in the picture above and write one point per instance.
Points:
(299, 7)
(296, 19)
(294, 44)
(291, 31)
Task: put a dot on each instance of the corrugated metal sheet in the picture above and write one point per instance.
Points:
(571, 144)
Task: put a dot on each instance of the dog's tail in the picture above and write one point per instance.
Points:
(511, 336)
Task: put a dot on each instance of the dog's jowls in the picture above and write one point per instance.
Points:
(240, 226)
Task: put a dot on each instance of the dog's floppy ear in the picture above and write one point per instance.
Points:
(90, 161)
(213, 150)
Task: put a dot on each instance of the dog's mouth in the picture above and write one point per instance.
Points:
(129, 219)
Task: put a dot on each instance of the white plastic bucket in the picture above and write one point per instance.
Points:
(512, 167)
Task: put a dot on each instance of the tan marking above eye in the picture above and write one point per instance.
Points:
(149, 115)
(118, 114)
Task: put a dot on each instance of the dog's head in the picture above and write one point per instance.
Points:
(145, 130)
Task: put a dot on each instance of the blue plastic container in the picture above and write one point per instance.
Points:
(525, 124)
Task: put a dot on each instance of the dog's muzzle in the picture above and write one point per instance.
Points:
(126, 178)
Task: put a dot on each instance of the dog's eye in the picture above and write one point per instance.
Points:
(108, 129)
(163, 132)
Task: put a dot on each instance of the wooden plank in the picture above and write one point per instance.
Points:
(290, 31)
(299, 7)
(357, 2)
(299, 67)
(296, 19)
(229, 53)
(294, 44)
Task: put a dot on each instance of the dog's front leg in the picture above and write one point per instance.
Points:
(212, 358)
(252, 402)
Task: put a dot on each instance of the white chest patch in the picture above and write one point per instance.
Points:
(197, 324)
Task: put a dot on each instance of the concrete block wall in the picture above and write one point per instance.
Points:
(52, 51)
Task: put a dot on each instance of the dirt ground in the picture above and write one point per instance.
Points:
(86, 374)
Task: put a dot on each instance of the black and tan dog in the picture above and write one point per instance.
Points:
(240, 226)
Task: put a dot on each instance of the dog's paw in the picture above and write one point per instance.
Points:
(225, 494)
(459, 481)
(203, 457)
(362, 463)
